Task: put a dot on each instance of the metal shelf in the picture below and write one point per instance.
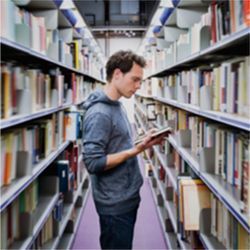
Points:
(170, 237)
(19, 119)
(10, 192)
(52, 244)
(14, 48)
(224, 191)
(169, 170)
(229, 41)
(210, 242)
(225, 118)
(43, 210)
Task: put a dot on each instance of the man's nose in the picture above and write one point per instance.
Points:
(138, 85)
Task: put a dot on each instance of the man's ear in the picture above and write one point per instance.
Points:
(117, 74)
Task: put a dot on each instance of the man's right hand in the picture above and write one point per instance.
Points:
(149, 141)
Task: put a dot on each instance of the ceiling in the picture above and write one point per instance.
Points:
(117, 18)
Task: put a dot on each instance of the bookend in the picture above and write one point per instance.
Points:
(205, 227)
(154, 182)
(159, 200)
(184, 138)
(207, 160)
(24, 164)
(69, 197)
(205, 221)
(206, 97)
(169, 193)
(85, 184)
(24, 99)
(168, 226)
(205, 37)
(70, 227)
(79, 201)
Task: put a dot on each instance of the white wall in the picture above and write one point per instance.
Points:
(116, 44)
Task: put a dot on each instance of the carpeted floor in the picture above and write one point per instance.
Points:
(148, 231)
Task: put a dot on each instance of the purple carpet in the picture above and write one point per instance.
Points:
(148, 231)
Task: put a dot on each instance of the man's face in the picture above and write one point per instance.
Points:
(127, 84)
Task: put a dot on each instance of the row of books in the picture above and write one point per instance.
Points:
(230, 160)
(69, 173)
(189, 200)
(221, 19)
(194, 197)
(25, 27)
(169, 198)
(228, 17)
(225, 228)
(230, 147)
(40, 31)
(46, 234)
(30, 144)
(90, 63)
(27, 91)
(71, 160)
(33, 30)
(221, 88)
(13, 217)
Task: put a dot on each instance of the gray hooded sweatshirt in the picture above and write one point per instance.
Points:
(106, 130)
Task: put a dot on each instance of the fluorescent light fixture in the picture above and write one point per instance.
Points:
(156, 18)
(67, 4)
(80, 23)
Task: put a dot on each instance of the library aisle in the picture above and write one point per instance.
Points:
(55, 53)
(148, 231)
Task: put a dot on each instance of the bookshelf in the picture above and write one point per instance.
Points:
(47, 73)
(10, 192)
(16, 120)
(228, 43)
(175, 88)
(35, 57)
(229, 119)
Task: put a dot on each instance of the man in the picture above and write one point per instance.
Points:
(110, 154)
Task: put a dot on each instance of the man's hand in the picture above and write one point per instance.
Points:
(149, 141)
(117, 158)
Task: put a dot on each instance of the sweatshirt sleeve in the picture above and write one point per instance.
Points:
(96, 133)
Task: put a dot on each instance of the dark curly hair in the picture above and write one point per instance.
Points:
(123, 60)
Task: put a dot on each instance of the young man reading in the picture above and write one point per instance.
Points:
(110, 154)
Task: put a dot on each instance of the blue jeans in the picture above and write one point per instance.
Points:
(117, 231)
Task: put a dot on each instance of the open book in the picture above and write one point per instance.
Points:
(165, 130)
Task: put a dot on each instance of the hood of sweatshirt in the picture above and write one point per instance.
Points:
(96, 97)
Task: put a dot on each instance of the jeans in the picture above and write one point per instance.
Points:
(117, 231)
